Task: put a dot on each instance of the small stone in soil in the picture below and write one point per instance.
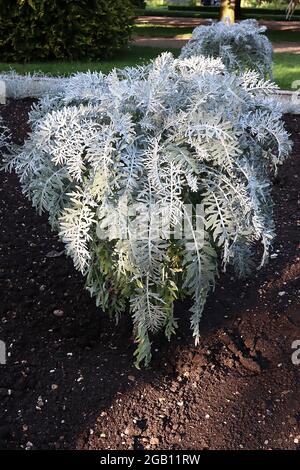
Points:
(58, 313)
(154, 441)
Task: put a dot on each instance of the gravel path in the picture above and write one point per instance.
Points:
(177, 43)
(193, 22)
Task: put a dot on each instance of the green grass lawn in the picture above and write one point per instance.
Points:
(278, 36)
(286, 69)
(135, 55)
(152, 30)
(286, 66)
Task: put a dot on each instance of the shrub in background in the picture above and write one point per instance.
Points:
(175, 133)
(241, 46)
(139, 3)
(69, 29)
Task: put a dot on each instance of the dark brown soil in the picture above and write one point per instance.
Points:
(69, 381)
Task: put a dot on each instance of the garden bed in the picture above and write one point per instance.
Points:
(69, 381)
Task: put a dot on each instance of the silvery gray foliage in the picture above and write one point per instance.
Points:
(241, 46)
(4, 136)
(174, 133)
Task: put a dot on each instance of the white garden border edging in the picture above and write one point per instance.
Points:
(29, 86)
(290, 100)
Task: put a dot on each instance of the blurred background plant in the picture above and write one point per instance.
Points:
(43, 30)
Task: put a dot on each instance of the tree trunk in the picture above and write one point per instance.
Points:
(230, 10)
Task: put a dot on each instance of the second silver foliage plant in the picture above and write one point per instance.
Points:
(241, 46)
(165, 136)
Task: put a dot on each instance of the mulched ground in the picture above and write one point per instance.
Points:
(69, 381)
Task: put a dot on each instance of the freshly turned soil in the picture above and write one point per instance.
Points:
(69, 381)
